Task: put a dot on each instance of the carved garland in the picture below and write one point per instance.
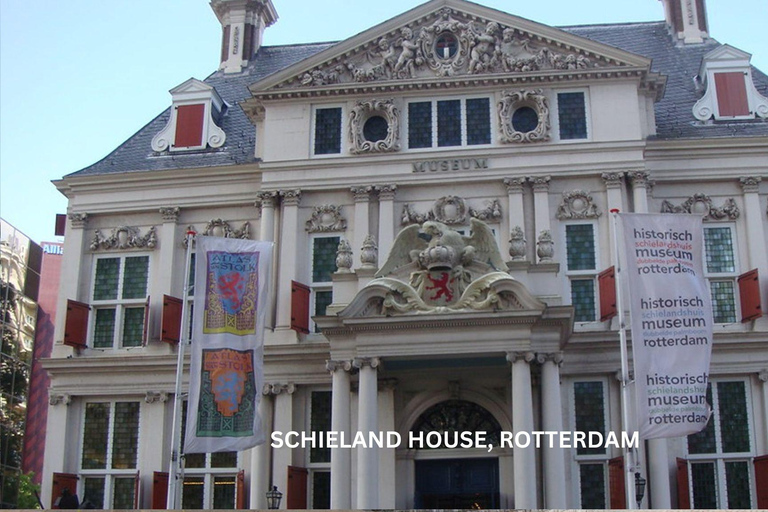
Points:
(452, 210)
(124, 237)
(577, 204)
(364, 111)
(702, 204)
(514, 101)
(326, 218)
(221, 228)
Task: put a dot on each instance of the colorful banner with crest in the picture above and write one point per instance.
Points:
(232, 282)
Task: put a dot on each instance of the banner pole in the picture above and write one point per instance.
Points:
(175, 472)
(629, 454)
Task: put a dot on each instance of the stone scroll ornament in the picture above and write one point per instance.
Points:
(702, 204)
(124, 237)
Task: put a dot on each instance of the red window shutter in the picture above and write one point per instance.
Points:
(159, 490)
(240, 490)
(732, 94)
(61, 224)
(136, 491)
(749, 293)
(616, 483)
(296, 498)
(683, 495)
(76, 324)
(62, 481)
(300, 307)
(171, 319)
(761, 481)
(189, 125)
(606, 281)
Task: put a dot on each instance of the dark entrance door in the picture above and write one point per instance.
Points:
(457, 484)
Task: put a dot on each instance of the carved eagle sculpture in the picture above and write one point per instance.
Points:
(410, 245)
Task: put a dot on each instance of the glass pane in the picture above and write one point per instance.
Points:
(704, 485)
(320, 421)
(93, 492)
(592, 484)
(572, 115)
(104, 330)
(224, 492)
(723, 302)
(454, 417)
(193, 493)
(135, 279)
(734, 422)
(478, 121)
(420, 125)
(704, 441)
(125, 442)
(583, 299)
(324, 258)
(133, 327)
(323, 299)
(589, 405)
(123, 493)
(191, 277)
(580, 246)
(224, 460)
(105, 283)
(327, 131)
(95, 432)
(718, 245)
(449, 123)
(737, 482)
(321, 490)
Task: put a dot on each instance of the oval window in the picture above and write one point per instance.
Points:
(525, 119)
(446, 45)
(375, 129)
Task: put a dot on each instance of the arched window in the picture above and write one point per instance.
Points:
(457, 416)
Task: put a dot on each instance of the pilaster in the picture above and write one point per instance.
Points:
(341, 458)
(71, 269)
(614, 183)
(753, 219)
(262, 454)
(368, 421)
(283, 422)
(541, 203)
(288, 255)
(362, 197)
(552, 421)
(522, 421)
(640, 182)
(386, 218)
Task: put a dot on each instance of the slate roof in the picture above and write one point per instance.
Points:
(674, 118)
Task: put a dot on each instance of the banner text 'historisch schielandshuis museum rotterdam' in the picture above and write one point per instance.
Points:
(671, 322)
(231, 286)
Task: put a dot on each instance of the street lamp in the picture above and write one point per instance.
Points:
(273, 498)
(639, 488)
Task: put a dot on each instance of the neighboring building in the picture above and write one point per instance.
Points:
(450, 112)
(20, 260)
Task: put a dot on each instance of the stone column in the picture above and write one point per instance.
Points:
(660, 492)
(387, 483)
(71, 266)
(362, 196)
(515, 197)
(522, 421)
(552, 421)
(386, 219)
(540, 204)
(59, 433)
(262, 454)
(169, 245)
(341, 458)
(287, 254)
(283, 422)
(614, 182)
(753, 216)
(640, 184)
(763, 376)
(367, 421)
(266, 202)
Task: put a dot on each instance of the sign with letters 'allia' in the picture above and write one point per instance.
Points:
(231, 289)
(671, 322)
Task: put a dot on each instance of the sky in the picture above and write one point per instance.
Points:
(79, 77)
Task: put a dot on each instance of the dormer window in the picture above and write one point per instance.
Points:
(730, 92)
(196, 110)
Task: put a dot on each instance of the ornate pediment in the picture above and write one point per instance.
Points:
(450, 38)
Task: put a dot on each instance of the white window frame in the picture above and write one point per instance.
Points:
(313, 130)
(314, 467)
(582, 274)
(319, 286)
(555, 108)
(718, 457)
(119, 304)
(464, 134)
(107, 473)
(730, 277)
(209, 474)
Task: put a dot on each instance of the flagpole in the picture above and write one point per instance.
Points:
(175, 474)
(629, 455)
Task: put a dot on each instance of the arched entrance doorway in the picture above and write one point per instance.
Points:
(452, 479)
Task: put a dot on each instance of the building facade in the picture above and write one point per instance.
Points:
(437, 188)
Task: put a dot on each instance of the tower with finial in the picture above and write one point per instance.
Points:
(687, 20)
(242, 23)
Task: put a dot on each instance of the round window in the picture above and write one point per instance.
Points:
(375, 129)
(446, 45)
(525, 119)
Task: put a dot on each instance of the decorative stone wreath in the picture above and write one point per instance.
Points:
(511, 102)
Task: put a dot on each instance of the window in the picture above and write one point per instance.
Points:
(589, 412)
(581, 269)
(323, 266)
(720, 267)
(110, 448)
(327, 136)
(320, 458)
(720, 456)
(446, 123)
(119, 300)
(572, 115)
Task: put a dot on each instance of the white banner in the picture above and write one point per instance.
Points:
(671, 315)
(232, 281)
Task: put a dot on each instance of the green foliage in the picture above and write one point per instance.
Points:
(28, 492)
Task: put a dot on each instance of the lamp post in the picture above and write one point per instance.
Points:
(639, 488)
(273, 498)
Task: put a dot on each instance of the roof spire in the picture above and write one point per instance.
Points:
(243, 23)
